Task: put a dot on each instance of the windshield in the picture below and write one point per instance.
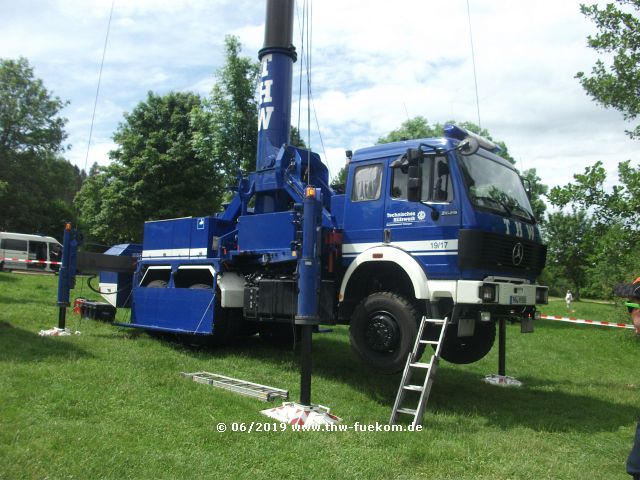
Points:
(496, 187)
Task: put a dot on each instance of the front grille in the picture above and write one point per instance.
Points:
(477, 249)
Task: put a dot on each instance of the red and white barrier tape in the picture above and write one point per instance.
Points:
(22, 260)
(588, 322)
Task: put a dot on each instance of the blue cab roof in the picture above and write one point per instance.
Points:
(398, 148)
(453, 136)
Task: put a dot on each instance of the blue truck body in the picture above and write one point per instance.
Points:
(438, 227)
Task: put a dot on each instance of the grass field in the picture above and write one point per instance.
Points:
(110, 403)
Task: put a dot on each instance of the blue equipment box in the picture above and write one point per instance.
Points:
(118, 285)
(183, 237)
(267, 232)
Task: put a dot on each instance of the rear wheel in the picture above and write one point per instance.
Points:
(225, 326)
(383, 330)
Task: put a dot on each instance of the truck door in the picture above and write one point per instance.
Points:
(37, 253)
(364, 209)
(427, 229)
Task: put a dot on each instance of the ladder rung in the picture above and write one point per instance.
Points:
(413, 388)
(429, 342)
(420, 365)
(435, 320)
(408, 411)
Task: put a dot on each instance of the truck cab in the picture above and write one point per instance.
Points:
(438, 227)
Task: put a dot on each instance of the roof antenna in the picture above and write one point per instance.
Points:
(473, 59)
(95, 102)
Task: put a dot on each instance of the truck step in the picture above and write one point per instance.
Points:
(249, 389)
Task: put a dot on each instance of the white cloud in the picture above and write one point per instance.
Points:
(374, 63)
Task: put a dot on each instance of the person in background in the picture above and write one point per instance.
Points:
(568, 298)
(631, 292)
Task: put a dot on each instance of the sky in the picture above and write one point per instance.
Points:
(374, 64)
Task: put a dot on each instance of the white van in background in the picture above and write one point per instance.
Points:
(19, 251)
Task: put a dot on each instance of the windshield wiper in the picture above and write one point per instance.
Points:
(525, 213)
(499, 202)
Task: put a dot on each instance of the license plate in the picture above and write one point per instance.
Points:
(518, 299)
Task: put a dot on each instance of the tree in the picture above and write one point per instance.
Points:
(537, 190)
(29, 118)
(616, 85)
(570, 241)
(620, 205)
(614, 260)
(36, 183)
(613, 219)
(225, 128)
(296, 139)
(155, 172)
(416, 127)
(340, 180)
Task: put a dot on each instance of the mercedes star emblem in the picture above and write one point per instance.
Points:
(517, 254)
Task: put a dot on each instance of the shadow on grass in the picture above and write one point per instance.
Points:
(456, 392)
(464, 393)
(7, 277)
(19, 345)
(21, 301)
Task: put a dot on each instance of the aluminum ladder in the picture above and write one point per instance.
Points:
(414, 367)
(249, 389)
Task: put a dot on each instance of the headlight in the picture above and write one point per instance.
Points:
(487, 293)
(542, 295)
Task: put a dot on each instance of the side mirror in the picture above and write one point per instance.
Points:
(401, 163)
(526, 183)
(414, 183)
(414, 180)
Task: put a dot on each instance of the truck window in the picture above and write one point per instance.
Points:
(367, 183)
(11, 244)
(442, 188)
(436, 181)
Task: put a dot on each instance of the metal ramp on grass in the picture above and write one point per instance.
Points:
(249, 389)
(413, 367)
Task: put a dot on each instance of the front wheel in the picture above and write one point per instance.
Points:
(383, 331)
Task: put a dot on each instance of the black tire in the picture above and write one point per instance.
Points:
(226, 325)
(462, 350)
(383, 331)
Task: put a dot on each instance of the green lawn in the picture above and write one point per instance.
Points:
(110, 403)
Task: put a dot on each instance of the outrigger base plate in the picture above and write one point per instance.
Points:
(502, 380)
(305, 416)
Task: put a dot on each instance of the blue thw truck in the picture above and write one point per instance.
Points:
(441, 227)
